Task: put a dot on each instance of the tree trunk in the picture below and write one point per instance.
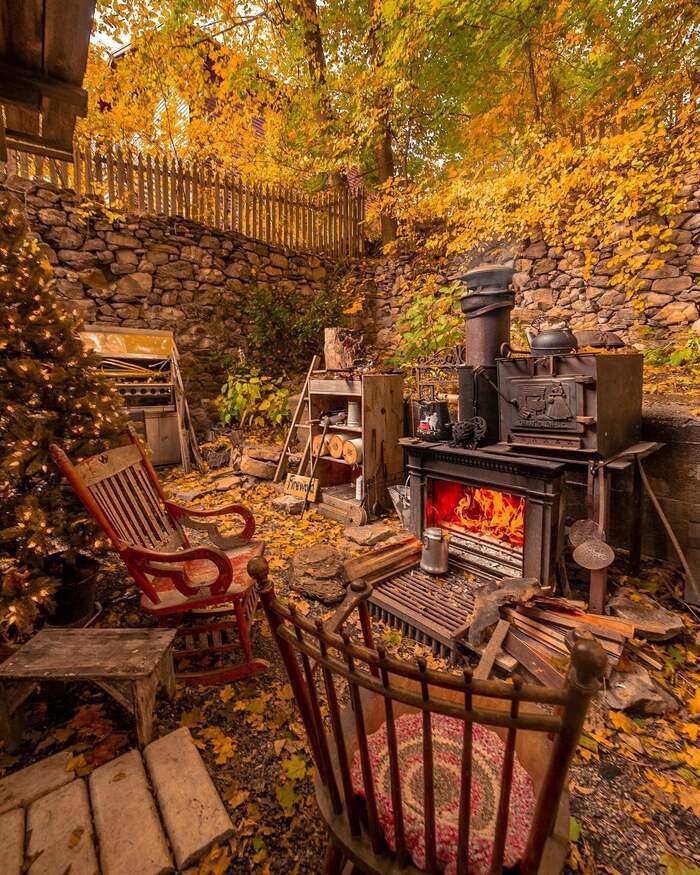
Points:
(385, 171)
(383, 151)
(307, 10)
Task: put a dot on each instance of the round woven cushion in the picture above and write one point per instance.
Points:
(487, 761)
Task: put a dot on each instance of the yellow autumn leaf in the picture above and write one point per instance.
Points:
(622, 722)
(691, 730)
(689, 797)
(694, 703)
(691, 756)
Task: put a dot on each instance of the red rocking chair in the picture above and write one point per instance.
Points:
(204, 589)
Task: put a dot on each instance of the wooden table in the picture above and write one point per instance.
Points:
(129, 664)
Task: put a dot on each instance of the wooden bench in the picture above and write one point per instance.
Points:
(129, 664)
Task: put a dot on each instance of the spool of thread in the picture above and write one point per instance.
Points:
(353, 413)
(352, 451)
(316, 445)
(335, 445)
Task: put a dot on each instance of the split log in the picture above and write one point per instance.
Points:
(320, 445)
(382, 560)
(256, 468)
(341, 348)
(336, 442)
(352, 451)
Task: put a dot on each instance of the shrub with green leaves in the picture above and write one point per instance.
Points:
(249, 398)
(675, 354)
(285, 328)
(432, 322)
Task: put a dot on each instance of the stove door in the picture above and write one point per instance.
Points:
(547, 411)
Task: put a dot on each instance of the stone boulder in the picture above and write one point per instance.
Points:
(368, 536)
(677, 312)
(314, 572)
(77, 260)
(181, 270)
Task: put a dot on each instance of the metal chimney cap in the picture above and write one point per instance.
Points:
(488, 276)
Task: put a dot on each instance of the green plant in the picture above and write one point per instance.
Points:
(674, 354)
(431, 322)
(253, 399)
(285, 328)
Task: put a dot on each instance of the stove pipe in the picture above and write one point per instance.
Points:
(486, 306)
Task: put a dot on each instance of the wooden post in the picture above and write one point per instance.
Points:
(77, 171)
(164, 184)
(141, 184)
(109, 157)
(217, 200)
(588, 664)
(149, 183)
(173, 188)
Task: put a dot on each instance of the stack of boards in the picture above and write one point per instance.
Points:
(541, 631)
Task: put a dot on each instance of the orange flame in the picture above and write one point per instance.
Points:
(487, 512)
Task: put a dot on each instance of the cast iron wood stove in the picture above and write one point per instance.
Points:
(502, 512)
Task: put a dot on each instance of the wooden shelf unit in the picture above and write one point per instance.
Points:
(381, 397)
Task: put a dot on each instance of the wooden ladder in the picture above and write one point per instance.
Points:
(281, 469)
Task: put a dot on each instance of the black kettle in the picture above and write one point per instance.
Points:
(551, 341)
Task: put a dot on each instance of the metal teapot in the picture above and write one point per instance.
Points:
(551, 341)
(435, 556)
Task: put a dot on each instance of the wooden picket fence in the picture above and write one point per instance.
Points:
(330, 223)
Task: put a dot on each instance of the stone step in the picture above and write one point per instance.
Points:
(12, 842)
(24, 787)
(193, 813)
(129, 833)
(60, 833)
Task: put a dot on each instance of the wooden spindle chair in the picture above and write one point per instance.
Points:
(204, 590)
(402, 770)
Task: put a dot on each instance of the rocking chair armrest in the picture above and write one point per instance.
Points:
(184, 514)
(161, 564)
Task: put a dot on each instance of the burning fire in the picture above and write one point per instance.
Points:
(482, 511)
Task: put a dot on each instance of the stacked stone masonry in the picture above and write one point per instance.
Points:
(557, 285)
(162, 273)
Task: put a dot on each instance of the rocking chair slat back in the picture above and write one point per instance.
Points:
(121, 483)
(382, 689)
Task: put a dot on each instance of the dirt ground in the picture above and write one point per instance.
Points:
(635, 782)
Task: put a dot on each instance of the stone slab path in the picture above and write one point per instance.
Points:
(153, 815)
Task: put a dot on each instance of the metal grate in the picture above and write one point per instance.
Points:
(434, 611)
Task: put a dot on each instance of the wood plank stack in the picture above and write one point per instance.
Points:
(383, 561)
(541, 631)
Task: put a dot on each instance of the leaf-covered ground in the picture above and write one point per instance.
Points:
(635, 782)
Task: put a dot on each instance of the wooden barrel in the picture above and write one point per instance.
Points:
(352, 451)
(335, 445)
(316, 445)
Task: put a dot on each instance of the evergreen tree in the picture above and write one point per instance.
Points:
(50, 391)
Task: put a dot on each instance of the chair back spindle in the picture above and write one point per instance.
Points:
(323, 663)
(121, 489)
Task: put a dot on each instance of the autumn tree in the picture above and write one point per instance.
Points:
(465, 111)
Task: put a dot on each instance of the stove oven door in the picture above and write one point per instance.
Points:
(545, 411)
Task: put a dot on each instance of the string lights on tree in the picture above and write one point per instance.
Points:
(50, 391)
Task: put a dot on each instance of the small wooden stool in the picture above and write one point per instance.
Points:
(129, 664)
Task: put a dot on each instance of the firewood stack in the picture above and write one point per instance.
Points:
(542, 630)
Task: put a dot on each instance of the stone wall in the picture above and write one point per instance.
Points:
(558, 285)
(162, 273)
